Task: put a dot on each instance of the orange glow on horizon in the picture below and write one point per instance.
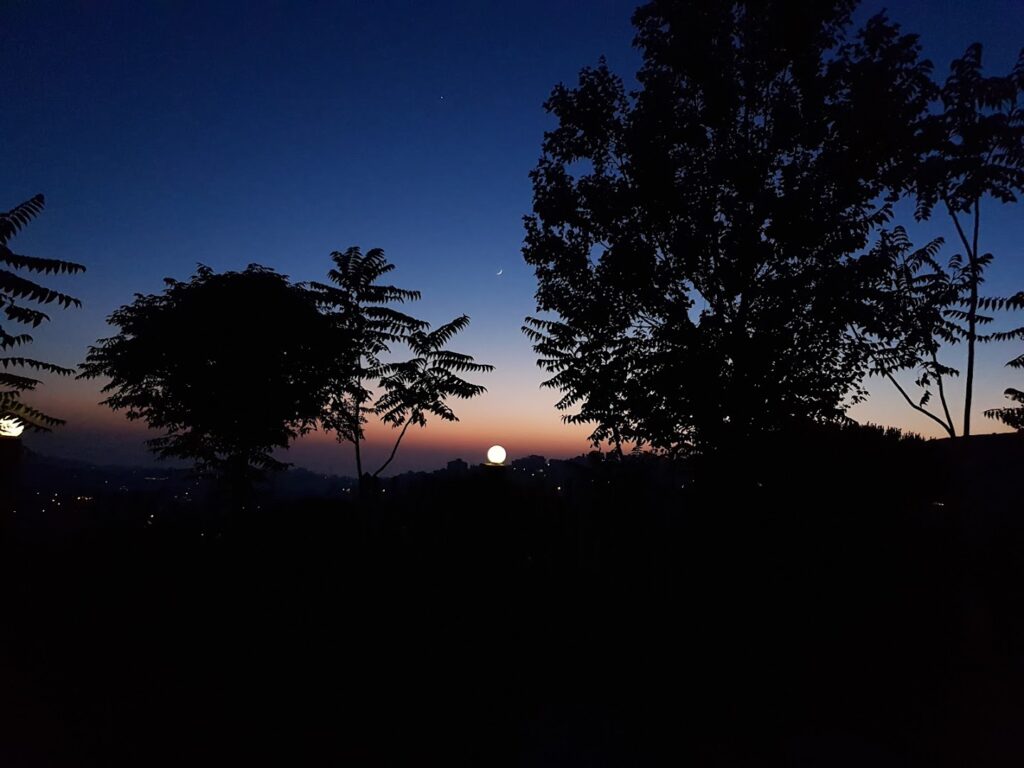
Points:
(514, 413)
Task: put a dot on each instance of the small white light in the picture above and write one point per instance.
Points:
(10, 427)
(496, 455)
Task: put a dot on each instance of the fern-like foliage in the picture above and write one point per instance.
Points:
(20, 302)
(414, 388)
(593, 371)
(976, 139)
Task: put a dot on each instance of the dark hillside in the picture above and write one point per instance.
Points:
(616, 618)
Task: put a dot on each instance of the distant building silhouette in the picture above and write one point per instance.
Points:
(458, 466)
(530, 463)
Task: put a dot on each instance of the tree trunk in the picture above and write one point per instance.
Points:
(972, 323)
(359, 458)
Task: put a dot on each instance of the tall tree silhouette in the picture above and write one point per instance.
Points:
(974, 151)
(15, 291)
(359, 305)
(697, 239)
(229, 366)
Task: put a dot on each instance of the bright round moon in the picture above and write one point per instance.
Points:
(496, 454)
(11, 428)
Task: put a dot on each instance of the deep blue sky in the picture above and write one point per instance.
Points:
(170, 133)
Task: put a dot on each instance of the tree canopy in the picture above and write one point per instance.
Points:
(229, 366)
(695, 242)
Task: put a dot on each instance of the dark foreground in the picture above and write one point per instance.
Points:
(863, 606)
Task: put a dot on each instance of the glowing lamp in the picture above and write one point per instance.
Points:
(496, 455)
(13, 428)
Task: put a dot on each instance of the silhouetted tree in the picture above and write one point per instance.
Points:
(695, 240)
(920, 308)
(358, 304)
(974, 151)
(906, 323)
(15, 290)
(229, 366)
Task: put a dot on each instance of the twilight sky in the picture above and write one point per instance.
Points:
(169, 133)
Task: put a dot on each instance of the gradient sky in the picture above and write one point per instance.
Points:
(166, 134)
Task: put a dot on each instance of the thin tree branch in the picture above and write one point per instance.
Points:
(972, 322)
(917, 407)
(356, 435)
(959, 229)
(972, 259)
(395, 449)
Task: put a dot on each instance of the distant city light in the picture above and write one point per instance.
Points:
(496, 455)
